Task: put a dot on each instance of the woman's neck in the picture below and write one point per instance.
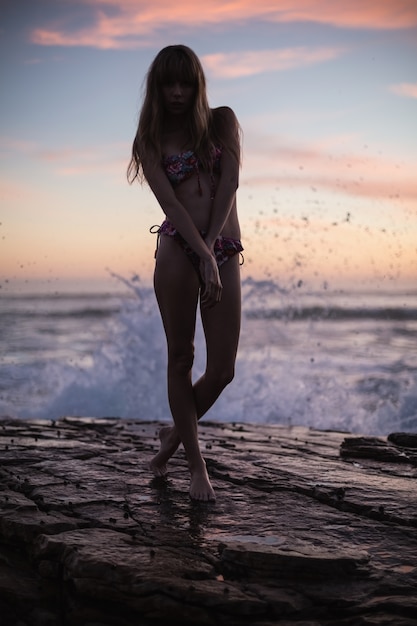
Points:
(175, 123)
(175, 136)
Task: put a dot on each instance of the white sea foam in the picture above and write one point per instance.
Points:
(330, 361)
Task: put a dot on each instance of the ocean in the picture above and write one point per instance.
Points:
(339, 360)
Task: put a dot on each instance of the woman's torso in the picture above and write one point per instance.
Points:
(194, 186)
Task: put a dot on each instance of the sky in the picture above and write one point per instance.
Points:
(325, 92)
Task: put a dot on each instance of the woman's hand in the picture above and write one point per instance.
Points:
(210, 276)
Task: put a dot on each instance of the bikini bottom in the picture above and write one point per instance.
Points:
(224, 247)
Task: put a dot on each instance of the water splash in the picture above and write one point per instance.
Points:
(333, 373)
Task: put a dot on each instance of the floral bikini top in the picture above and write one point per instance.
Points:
(180, 167)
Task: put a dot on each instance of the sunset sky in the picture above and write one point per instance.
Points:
(325, 91)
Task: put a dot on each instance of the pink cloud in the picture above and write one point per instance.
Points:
(376, 188)
(268, 162)
(9, 144)
(409, 90)
(238, 64)
(72, 161)
(274, 163)
(110, 159)
(11, 192)
(133, 23)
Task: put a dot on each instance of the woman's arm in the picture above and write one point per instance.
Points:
(229, 173)
(173, 209)
(177, 214)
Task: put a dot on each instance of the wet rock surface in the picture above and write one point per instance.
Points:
(309, 528)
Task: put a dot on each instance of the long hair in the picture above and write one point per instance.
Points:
(173, 63)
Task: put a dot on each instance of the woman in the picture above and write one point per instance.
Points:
(189, 155)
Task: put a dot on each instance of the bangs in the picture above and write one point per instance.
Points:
(177, 66)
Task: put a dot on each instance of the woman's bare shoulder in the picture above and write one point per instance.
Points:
(225, 124)
(224, 114)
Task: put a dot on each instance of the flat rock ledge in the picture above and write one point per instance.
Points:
(310, 527)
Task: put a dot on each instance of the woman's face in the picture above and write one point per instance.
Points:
(178, 96)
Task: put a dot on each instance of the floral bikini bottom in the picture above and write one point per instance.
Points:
(224, 247)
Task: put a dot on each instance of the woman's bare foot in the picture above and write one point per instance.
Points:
(169, 444)
(200, 488)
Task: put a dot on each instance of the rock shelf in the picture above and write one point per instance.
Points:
(310, 528)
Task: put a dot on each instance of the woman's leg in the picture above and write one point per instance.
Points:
(221, 327)
(177, 290)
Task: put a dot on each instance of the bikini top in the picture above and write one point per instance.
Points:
(180, 167)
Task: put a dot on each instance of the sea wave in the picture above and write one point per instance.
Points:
(334, 313)
(347, 362)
